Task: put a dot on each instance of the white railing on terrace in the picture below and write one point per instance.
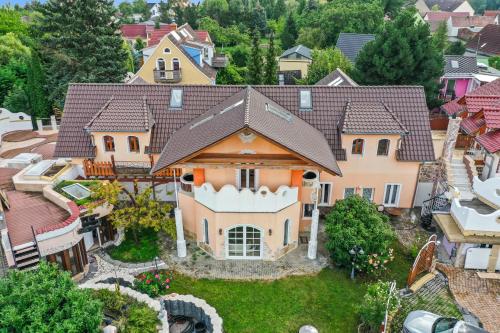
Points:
(473, 223)
(230, 199)
(488, 189)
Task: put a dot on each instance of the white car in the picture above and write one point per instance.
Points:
(427, 322)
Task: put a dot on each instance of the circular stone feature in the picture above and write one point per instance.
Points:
(308, 329)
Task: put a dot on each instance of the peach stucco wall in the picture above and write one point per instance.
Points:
(121, 152)
(234, 145)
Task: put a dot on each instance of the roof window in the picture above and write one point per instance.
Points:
(278, 112)
(202, 121)
(176, 36)
(305, 99)
(229, 108)
(454, 64)
(176, 98)
(336, 82)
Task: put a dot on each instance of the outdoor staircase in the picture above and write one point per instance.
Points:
(458, 178)
(27, 257)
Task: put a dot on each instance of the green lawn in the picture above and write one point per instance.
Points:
(129, 251)
(327, 300)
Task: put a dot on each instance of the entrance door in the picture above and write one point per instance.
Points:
(244, 242)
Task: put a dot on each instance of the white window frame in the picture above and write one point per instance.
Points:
(226, 242)
(286, 231)
(167, 52)
(172, 63)
(353, 193)
(304, 217)
(204, 223)
(396, 204)
(256, 179)
(172, 96)
(305, 107)
(373, 192)
(329, 203)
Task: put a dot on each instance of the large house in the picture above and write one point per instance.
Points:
(182, 56)
(458, 77)
(486, 43)
(250, 166)
(425, 6)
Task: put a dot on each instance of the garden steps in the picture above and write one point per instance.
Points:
(422, 281)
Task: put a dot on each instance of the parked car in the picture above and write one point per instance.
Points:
(427, 322)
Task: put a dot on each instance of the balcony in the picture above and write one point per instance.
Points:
(114, 168)
(219, 61)
(230, 199)
(488, 191)
(167, 76)
(475, 218)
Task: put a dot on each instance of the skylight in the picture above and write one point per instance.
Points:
(278, 112)
(336, 82)
(176, 36)
(305, 99)
(454, 64)
(176, 98)
(202, 121)
(229, 108)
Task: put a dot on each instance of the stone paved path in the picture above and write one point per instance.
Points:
(480, 296)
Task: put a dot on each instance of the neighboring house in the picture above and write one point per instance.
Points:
(154, 9)
(337, 78)
(294, 64)
(473, 24)
(434, 19)
(181, 56)
(486, 43)
(425, 6)
(458, 78)
(251, 164)
(350, 44)
(145, 31)
(471, 156)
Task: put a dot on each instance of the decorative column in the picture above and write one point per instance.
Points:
(451, 138)
(181, 242)
(312, 248)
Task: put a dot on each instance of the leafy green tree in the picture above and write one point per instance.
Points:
(455, 48)
(129, 62)
(494, 62)
(10, 21)
(310, 37)
(402, 54)
(17, 100)
(141, 7)
(190, 14)
(231, 75)
(138, 212)
(258, 18)
(165, 8)
(216, 9)
(240, 54)
(354, 221)
(440, 37)
(126, 9)
(279, 9)
(81, 43)
(392, 7)
(290, 33)
(372, 309)
(237, 10)
(324, 62)
(271, 67)
(11, 47)
(35, 89)
(255, 65)
(46, 300)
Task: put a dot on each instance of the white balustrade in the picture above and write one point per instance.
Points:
(474, 223)
(488, 189)
(230, 199)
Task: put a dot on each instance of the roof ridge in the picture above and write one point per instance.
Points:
(403, 127)
(247, 106)
(98, 114)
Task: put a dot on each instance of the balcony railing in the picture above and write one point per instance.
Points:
(219, 61)
(117, 168)
(230, 199)
(473, 223)
(488, 190)
(167, 76)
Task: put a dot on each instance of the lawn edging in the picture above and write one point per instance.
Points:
(132, 266)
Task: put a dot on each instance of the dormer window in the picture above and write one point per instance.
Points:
(166, 50)
(305, 100)
(109, 143)
(357, 146)
(176, 98)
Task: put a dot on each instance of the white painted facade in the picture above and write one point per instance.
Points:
(488, 189)
(465, 7)
(230, 199)
(10, 121)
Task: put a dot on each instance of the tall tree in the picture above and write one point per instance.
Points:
(455, 48)
(324, 62)
(402, 54)
(35, 89)
(279, 9)
(255, 66)
(81, 43)
(290, 33)
(258, 19)
(440, 37)
(141, 7)
(216, 9)
(392, 7)
(271, 67)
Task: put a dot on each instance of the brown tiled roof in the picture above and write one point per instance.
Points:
(471, 125)
(122, 115)
(441, 16)
(493, 13)
(6, 174)
(452, 107)
(337, 78)
(490, 141)
(370, 118)
(249, 109)
(84, 100)
(28, 209)
(469, 21)
(492, 116)
(487, 40)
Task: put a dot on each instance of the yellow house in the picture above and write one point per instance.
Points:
(294, 64)
(182, 56)
(249, 168)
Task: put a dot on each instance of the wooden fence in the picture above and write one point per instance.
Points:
(423, 262)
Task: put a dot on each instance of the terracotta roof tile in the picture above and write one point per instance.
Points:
(471, 21)
(490, 141)
(443, 16)
(493, 13)
(84, 100)
(471, 125)
(134, 31)
(492, 117)
(158, 34)
(452, 107)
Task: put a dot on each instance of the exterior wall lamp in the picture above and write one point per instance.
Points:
(270, 232)
(220, 231)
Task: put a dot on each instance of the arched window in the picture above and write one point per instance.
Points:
(160, 64)
(176, 65)
(357, 146)
(286, 233)
(383, 147)
(166, 50)
(109, 143)
(205, 231)
(133, 144)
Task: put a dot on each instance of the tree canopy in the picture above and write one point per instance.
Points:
(324, 62)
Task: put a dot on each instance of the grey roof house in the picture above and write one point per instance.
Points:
(350, 44)
(337, 78)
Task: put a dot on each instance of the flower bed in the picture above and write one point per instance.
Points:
(153, 283)
(87, 183)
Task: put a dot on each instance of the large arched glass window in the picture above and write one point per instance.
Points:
(133, 144)
(244, 242)
(383, 147)
(176, 65)
(160, 64)
(286, 233)
(357, 146)
(109, 143)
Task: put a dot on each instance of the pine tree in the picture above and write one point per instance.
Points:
(35, 92)
(290, 33)
(80, 44)
(255, 74)
(271, 63)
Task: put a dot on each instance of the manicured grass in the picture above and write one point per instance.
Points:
(129, 251)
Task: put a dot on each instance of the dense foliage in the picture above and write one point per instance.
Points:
(355, 222)
(372, 309)
(324, 62)
(153, 283)
(402, 53)
(46, 300)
